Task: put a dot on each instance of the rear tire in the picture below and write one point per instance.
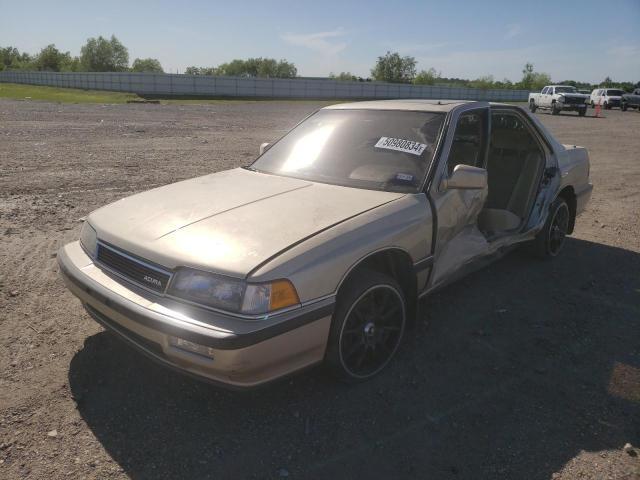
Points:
(550, 239)
(623, 107)
(554, 110)
(593, 105)
(605, 105)
(582, 112)
(367, 327)
(532, 106)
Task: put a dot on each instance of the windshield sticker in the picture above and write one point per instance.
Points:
(404, 177)
(401, 145)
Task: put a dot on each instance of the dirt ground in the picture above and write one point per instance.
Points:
(524, 370)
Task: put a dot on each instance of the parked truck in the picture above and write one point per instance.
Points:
(558, 98)
(630, 100)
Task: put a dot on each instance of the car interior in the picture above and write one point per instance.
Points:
(515, 161)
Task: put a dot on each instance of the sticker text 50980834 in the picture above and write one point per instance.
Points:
(401, 145)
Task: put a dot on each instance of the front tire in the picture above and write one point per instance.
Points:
(367, 327)
(623, 107)
(550, 239)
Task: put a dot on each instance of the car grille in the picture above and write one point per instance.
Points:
(132, 268)
(574, 100)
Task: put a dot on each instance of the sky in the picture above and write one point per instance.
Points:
(570, 40)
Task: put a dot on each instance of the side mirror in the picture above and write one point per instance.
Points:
(465, 177)
(264, 147)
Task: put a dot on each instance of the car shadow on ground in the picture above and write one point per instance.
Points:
(510, 373)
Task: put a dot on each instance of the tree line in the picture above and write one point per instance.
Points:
(397, 69)
(110, 55)
(251, 67)
(96, 55)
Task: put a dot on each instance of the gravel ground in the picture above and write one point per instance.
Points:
(524, 370)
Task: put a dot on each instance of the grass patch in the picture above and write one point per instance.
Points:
(17, 91)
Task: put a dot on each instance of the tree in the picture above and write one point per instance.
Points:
(51, 59)
(201, 71)
(286, 69)
(102, 55)
(484, 83)
(532, 80)
(150, 65)
(70, 64)
(12, 59)
(394, 68)
(251, 67)
(427, 77)
(607, 83)
(344, 77)
(258, 67)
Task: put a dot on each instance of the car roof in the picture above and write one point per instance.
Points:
(408, 104)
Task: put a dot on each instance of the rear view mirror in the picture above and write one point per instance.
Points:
(466, 177)
(264, 147)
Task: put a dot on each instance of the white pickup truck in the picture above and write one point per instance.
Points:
(558, 98)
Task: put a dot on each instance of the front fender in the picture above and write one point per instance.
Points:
(317, 266)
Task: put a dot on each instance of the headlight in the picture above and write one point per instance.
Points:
(89, 239)
(231, 294)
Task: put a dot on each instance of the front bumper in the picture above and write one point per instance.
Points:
(245, 353)
(575, 107)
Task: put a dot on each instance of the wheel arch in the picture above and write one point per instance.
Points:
(394, 262)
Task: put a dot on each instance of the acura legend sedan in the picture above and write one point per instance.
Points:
(319, 251)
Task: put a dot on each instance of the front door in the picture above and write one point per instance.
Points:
(458, 240)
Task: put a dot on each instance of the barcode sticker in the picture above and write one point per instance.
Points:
(401, 145)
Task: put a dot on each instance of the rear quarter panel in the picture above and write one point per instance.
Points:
(574, 167)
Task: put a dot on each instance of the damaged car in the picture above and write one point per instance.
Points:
(319, 251)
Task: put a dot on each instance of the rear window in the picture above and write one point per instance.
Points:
(375, 149)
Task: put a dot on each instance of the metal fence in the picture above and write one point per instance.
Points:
(202, 85)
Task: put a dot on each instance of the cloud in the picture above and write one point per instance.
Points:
(513, 30)
(325, 43)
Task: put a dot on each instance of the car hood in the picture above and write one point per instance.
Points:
(228, 222)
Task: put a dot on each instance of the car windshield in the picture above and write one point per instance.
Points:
(615, 93)
(376, 149)
(565, 89)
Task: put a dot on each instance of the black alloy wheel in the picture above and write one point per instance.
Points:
(551, 238)
(559, 228)
(368, 326)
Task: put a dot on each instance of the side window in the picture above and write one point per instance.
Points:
(515, 163)
(469, 140)
(545, 90)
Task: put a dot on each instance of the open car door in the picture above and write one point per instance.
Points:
(458, 239)
(475, 219)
